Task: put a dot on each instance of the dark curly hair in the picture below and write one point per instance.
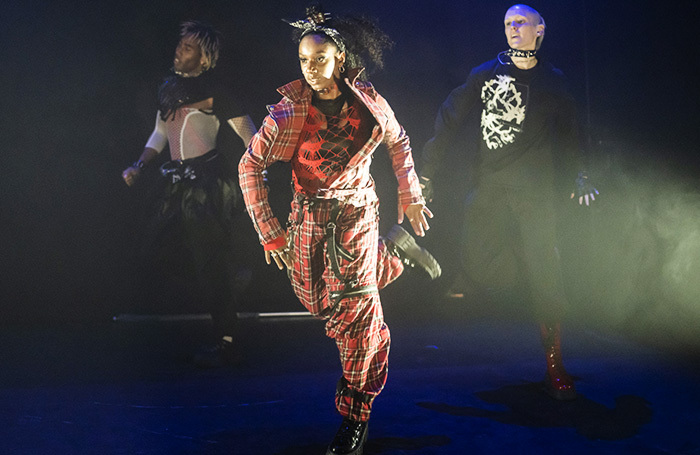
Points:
(364, 41)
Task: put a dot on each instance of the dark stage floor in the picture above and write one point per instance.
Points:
(462, 380)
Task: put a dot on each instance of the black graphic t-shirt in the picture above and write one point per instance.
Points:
(527, 125)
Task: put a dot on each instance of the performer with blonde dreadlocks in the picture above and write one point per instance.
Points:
(328, 126)
(201, 194)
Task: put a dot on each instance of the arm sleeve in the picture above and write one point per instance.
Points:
(228, 103)
(159, 136)
(448, 124)
(244, 127)
(254, 161)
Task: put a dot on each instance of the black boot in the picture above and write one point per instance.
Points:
(401, 244)
(350, 438)
(221, 354)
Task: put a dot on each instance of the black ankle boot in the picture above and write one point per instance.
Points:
(350, 438)
(403, 245)
(223, 353)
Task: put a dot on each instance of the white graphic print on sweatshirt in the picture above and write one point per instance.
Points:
(504, 111)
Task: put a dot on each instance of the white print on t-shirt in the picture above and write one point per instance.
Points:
(504, 111)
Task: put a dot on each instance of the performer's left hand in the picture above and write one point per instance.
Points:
(587, 198)
(584, 189)
(283, 256)
(416, 214)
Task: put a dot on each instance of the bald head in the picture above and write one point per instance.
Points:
(525, 10)
(524, 27)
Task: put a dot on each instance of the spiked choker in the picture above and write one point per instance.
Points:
(517, 53)
(187, 75)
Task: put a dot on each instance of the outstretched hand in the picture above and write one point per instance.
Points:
(416, 214)
(587, 198)
(283, 256)
(584, 189)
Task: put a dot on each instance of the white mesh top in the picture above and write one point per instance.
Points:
(190, 132)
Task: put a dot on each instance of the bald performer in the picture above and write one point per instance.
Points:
(513, 127)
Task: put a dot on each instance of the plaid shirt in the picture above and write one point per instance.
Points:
(277, 140)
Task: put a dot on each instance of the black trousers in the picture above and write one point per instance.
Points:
(509, 240)
(192, 237)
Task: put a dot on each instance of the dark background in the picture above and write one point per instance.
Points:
(79, 83)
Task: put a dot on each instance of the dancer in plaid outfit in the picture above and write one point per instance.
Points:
(328, 126)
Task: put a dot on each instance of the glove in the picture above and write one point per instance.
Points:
(584, 188)
(426, 186)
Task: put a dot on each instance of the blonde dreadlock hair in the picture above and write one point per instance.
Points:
(206, 37)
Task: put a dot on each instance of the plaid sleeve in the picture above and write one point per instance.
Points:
(399, 147)
(250, 175)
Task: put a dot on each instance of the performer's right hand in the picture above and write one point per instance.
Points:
(130, 175)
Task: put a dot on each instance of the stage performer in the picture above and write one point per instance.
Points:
(516, 121)
(328, 126)
(201, 194)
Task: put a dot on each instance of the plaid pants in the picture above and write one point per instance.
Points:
(355, 322)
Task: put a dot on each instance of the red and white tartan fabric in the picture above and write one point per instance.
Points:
(357, 323)
(278, 138)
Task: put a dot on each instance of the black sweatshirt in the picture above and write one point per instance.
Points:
(517, 128)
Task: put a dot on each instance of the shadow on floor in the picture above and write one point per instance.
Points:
(528, 406)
